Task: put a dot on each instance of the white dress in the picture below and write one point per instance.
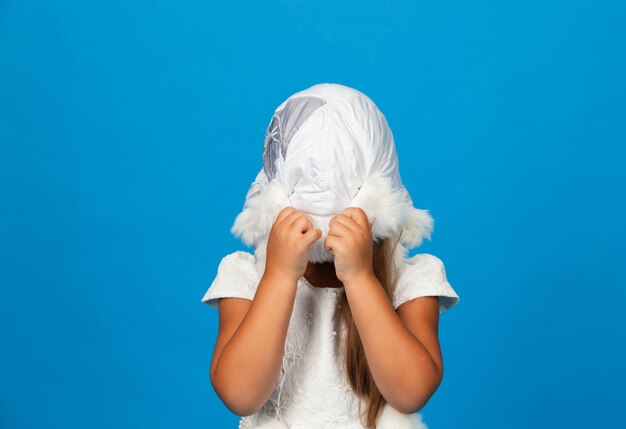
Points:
(312, 391)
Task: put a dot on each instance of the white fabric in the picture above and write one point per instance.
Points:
(327, 148)
(313, 392)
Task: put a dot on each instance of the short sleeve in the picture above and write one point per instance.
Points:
(236, 277)
(424, 275)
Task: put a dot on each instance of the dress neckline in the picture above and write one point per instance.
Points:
(311, 286)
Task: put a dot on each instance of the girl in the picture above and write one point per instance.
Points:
(329, 324)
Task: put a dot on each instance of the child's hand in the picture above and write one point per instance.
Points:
(292, 233)
(350, 240)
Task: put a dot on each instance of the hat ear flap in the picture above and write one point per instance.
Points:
(419, 224)
(255, 221)
(392, 210)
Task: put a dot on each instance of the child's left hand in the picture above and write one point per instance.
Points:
(350, 240)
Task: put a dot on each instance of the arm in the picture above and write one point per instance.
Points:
(402, 348)
(250, 344)
(249, 351)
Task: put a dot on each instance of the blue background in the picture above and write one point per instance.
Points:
(130, 132)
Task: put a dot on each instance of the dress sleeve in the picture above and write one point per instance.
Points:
(236, 278)
(424, 275)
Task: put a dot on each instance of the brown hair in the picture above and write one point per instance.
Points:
(356, 368)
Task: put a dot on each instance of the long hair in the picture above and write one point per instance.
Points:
(356, 368)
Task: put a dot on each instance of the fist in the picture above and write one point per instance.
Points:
(350, 241)
(290, 238)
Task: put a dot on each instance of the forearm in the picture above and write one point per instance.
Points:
(401, 366)
(249, 365)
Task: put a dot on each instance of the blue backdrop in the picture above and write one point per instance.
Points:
(130, 132)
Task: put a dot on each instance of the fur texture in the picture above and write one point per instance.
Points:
(390, 209)
(255, 221)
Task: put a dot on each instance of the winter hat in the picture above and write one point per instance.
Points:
(327, 148)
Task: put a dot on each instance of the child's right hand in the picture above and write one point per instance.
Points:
(292, 233)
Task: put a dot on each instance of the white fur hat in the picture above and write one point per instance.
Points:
(327, 148)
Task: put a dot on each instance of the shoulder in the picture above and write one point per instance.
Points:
(237, 276)
(422, 261)
(422, 267)
(424, 274)
(238, 264)
(238, 257)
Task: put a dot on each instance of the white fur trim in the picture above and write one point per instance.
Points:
(419, 225)
(382, 202)
(390, 208)
(255, 221)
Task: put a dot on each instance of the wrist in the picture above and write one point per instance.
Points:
(360, 279)
(279, 277)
